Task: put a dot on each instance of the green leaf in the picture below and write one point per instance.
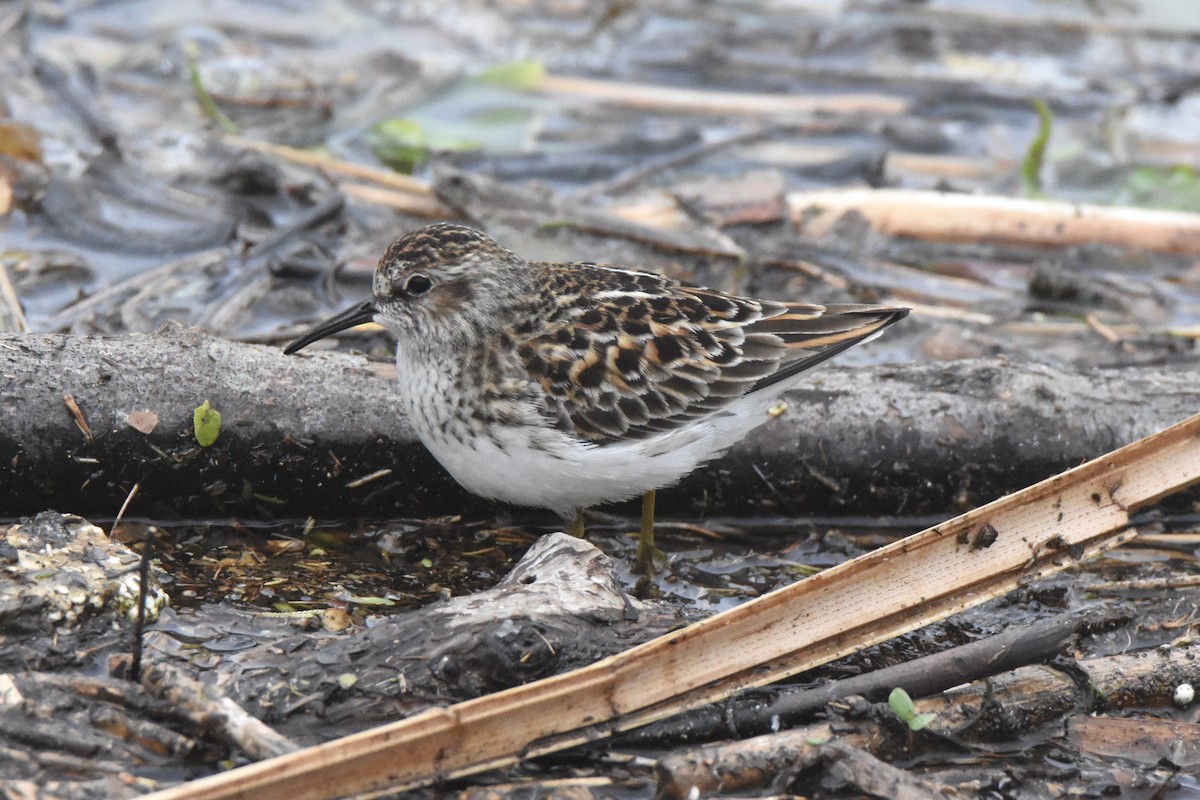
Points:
(400, 143)
(520, 75)
(902, 704)
(400, 131)
(1031, 167)
(405, 145)
(904, 708)
(206, 422)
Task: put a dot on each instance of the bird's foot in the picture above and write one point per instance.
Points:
(650, 560)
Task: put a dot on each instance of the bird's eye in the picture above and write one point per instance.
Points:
(417, 284)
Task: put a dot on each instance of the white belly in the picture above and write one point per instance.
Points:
(533, 464)
(545, 468)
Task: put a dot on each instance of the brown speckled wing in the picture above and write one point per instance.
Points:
(621, 354)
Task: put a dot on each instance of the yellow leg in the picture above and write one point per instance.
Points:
(575, 526)
(649, 558)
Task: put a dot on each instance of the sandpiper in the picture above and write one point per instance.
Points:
(568, 385)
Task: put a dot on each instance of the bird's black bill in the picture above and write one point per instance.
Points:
(364, 312)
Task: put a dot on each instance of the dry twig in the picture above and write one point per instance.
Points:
(77, 415)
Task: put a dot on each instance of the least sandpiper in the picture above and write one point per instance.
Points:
(564, 386)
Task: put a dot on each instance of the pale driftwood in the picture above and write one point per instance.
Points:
(300, 434)
(213, 712)
(336, 166)
(411, 203)
(1008, 707)
(900, 587)
(947, 217)
(705, 101)
(559, 608)
(387, 187)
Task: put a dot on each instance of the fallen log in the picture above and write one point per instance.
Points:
(321, 434)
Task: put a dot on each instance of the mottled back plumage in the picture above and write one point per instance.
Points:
(622, 354)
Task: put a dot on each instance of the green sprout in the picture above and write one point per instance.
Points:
(903, 707)
(206, 422)
(207, 104)
(1035, 156)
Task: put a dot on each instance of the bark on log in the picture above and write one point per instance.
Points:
(299, 435)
